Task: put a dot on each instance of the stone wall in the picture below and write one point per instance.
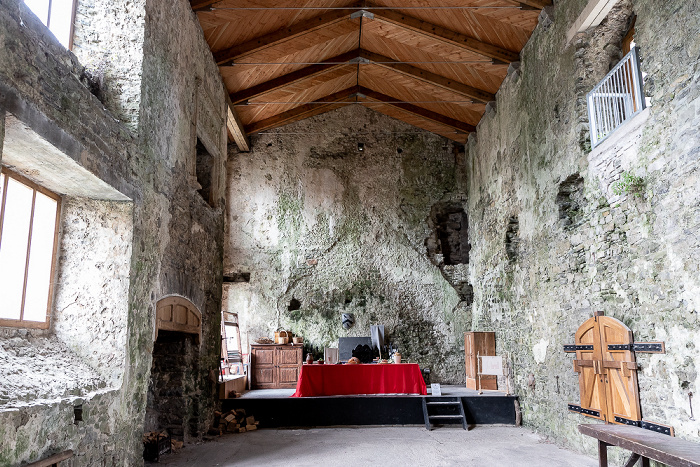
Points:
(324, 228)
(578, 247)
(171, 237)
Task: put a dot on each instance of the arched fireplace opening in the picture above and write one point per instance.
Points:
(173, 402)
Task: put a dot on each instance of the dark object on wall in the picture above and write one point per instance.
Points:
(481, 344)
(237, 277)
(364, 353)
(512, 240)
(347, 344)
(348, 320)
(607, 368)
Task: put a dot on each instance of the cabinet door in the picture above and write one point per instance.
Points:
(288, 366)
(264, 371)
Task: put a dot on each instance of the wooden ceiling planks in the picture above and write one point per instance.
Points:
(388, 39)
(298, 94)
(417, 121)
(242, 76)
(492, 26)
(227, 25)
(433, 98)
(430, 92)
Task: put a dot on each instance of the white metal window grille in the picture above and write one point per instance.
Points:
(616, 99)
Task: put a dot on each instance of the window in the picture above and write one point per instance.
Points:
(616, 99)
(28, 237)
(204, 168)
(58, 16)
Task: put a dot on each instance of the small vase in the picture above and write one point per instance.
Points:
(309, 358)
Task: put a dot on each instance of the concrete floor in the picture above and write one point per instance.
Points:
(491, 446)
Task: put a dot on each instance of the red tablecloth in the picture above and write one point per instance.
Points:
(338, 380)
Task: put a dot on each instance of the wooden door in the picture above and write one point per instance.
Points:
(288, 366)
(607, 370)
(591, 379)
(481, 344)
(622, 390)
(263, 365)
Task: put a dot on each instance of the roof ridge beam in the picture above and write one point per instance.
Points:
(226, 56)
(445, 35)
(533, 4)
(300, 112)
(429, 77)
(295, 76)
(417, 110)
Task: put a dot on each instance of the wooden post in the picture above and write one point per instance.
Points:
(603, 453)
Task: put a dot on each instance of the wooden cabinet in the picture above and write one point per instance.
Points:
(275, 366)
(479, 343)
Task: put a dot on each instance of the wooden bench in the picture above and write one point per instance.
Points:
(52, 461)
(644, 445)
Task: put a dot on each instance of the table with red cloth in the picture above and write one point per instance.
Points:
(340, 380)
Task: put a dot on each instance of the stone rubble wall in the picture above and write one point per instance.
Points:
(138, 136)
(315, 220)
(633, 256)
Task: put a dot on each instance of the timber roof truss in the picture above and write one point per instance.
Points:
(432, 64)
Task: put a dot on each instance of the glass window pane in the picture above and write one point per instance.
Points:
(39, 8)
(40, 259)
(13, 248)
(61, 16)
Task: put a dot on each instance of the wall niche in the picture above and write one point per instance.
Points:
(450, 235)
(570, 201)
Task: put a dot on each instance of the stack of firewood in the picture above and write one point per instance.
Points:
(233, 421)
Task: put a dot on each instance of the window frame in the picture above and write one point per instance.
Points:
(21, 323)
(71, 33)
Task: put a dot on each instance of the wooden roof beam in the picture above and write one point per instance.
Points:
(202, 5)
(416, 110)
(234, 128)
(303, 111)
(295, 76)
(429, 77)
(534, 4)
(347, 58)
(445, 35)
(236, 52)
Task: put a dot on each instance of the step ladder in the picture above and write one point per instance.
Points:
(443, 409)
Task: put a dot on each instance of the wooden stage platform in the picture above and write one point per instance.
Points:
(274, 408)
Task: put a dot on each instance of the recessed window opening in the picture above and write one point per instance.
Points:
(29, 217)
(58, 16)
(205, 165)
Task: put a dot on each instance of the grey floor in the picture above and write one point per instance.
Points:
(483, 446)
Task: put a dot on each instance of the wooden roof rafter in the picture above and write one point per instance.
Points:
(365, 57)
(411, 60)
(322, 105)
(228, 56)
(416, 110)
(499, 54)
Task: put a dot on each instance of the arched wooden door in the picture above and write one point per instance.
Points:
(607, 371)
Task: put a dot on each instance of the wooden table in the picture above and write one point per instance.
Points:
(644, 444)
(339, 380)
